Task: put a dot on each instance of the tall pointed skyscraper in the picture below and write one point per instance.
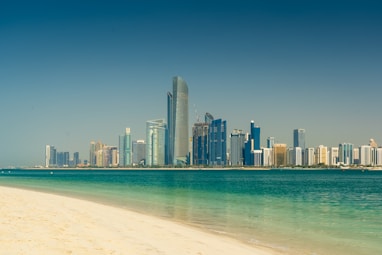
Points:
(177, 122)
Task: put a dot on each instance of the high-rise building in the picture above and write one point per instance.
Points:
(252, 144)
(248, 145)
(125, 149)
(270, 142)
(257, 157)
(217, 144)
(267, 156)
(139, 152)
(309, 157)
(76, 158)
(200, 144)
(50, 156)
(296, 156)
(62, 159)
(333, 156)
(92, 154)
(237, 147)
(299, 138)
(177, 123)
(322, 155)
(365, 155)
(279, 154)
(155, 145)
(379, 156)
(346, 153)
(255, 135)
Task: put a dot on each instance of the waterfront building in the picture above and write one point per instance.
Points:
(251, 144)
(99, 158)
(76, 158)
(365, 155)
(299, 141)
(255, 135)
(333, 156)
(310, 157)
(346, 153)
(109, 156)
(125, 149)
(257, 157)
(155, 145)
(299, 138)
(322, 155)
(270, 142)
(200, 144)
(92, 154)
(139, 152)
(50, 156)
(217, 143)
(248, 145)
(267, 156)
(237, 147)
(290, 156)
(379, 157)
(356, 156)
(297, 156)
(279, 155)
(177, 123)
(62, 159)
(374, 153)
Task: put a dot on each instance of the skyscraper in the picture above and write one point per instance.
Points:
(177, 123)
(299, 138)
(200, 144)
(279, 154)
(346, 153)
(155, 146)
(237, 147)
(255, 135)
(76, 158)
(322, 155)
(50, 156)
(299, 141)
(92, 154)
(252, 144)
(125, 149)
(139, 152)
(217, 143)
(270, 142)
(365, 155)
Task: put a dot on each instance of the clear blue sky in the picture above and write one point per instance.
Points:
(76, 71)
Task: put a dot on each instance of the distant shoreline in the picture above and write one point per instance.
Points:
(196, 168)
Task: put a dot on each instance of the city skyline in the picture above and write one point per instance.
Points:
(73, 72)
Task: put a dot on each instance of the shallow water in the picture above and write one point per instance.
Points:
(297, 212)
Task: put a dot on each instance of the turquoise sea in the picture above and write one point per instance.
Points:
(294, 211)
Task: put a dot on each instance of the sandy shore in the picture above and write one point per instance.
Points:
(39, 223)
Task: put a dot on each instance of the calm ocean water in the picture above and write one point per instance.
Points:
(297, 212)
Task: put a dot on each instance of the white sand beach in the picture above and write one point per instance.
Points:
(39, 223)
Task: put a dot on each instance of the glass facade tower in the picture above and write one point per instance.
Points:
(200, 144)
(177, 123)
(125, 149)
(237, 147)
(217, 144)
(299, 138)
(155, 142)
